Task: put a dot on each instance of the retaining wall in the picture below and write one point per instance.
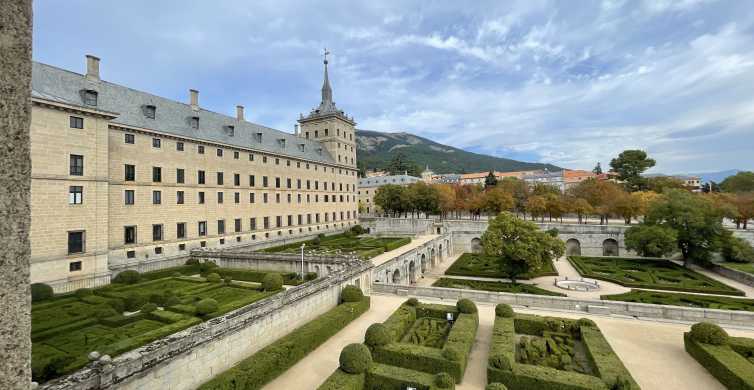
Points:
(730, 273)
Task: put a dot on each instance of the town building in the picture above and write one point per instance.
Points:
(555, 179)
(124, 178)
(479, 177)
(368, 186)
(572, 177)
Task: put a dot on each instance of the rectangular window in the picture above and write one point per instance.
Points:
(90, 98)
(179, 146)
(266, 222)
(179, 198)
(251, 156)
(129, 196)
(253, 224)
(219, 197)
(74, 266)
(129, 235)
(264, 197)
(156, 197)
(277, 182)
(200, 177)
(180, 176)
(298, 184)
(219, 152)
(130, 254)
(236, 179)
(251, 181)
(290, 220)
(158, 250)
(77, 165)
(130, 139)
(264, 181)
(75, 195)
(180, 230)
(235, 155)
(76, 122)
(220, 226)
(76, 242)
(237, 197)
(200, 149)
(156, 232)
(219, 178)
(251, 197)
(156, 174)
(181, 247)
(264, 159)
(156, 142)
(202, 228)
(288, 182)
(195, 123)
(238, 225)
(130, 172)
(277, 198)
(201, 197)
(278, 221)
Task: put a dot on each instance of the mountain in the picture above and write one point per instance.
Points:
(375, 149)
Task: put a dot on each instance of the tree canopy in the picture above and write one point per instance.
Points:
(740, 182)
(629, 165)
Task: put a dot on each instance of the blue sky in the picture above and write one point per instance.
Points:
(565, 82)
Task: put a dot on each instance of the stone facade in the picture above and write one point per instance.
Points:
(368, 187)
(408, 267)
(149, 187)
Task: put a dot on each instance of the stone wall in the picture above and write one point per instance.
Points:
(191, 357)
(730, 273)
(407, 267)
(638, 310)
(281, 262)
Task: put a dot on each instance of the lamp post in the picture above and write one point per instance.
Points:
(302, 262)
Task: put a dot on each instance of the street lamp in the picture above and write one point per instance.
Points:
(302, 261)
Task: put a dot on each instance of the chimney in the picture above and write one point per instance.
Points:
(92, 67)
(295, 129)
(239, 113)
(194, 99)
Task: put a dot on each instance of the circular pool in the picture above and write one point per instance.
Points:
(577, 284)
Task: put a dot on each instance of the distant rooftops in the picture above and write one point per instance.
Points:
(378, 181)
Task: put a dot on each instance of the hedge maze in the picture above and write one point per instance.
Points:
(680, 299)
(655, 274)
(483, 285)
(133, 311)
(471, 264)
(729, 359)
(416, 346)
(533, 352)
(344, 244)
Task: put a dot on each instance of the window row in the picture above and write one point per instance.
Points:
(76, 196)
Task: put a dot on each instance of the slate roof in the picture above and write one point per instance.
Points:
(171, 117)
(378, 181)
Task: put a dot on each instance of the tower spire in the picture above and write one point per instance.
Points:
(326, 90)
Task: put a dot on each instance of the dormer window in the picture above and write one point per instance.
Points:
(230, 130)
(150, 111)
(90, 97)
(281, 143)
(301, 147)
(195, 122)
(258, 137)
(319, 151)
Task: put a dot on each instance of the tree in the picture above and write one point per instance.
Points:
(740, 182)
(520, 246)
(555, 206)
(424, 198)
(736, 249)
(629, 165)
(490, 181)
(744, 205)
(659, 184)
(497, 200)
(446, 199)
(597, 169)
(536, 206)
(599, 194)
(400, 165)
(697, 223)
(390, 198)
(651, 240)
(627, 205)
(518, 189)
(580, 206)
(710, 187)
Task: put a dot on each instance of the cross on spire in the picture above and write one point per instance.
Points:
(324, 54)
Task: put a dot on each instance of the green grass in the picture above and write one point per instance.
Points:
(743, 267)
(365, 247)
(680, 299)
(517, 288)
(655, 274)
(470, 264)
(68, 328)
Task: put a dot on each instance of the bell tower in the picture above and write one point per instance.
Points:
(330, 126)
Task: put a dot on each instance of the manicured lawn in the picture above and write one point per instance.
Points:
(66, 329)
(518, 288)
(470, 264)
(343, 244)
(680, 299)
(743, 267)
(655, 274)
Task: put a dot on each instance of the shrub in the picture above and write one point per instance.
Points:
(40, 292)
(377, 335)
(105, 311)
(172, 301)
(127, 277)
(315, 242)
(443, 380)
(118, 305)
(310, 276)
(206, 306)
(227, 280)
(495, 386)
(52, 368)
(412, 302)
(214, 278)
(708, 333)
(504, 310)
(192, 261)
(553, 232)
(466, 306)
(83, 292)
(737, 250)
(206, 267)
(272, 282)
(351, 294)
(134, 301)
(157, 299)
(176, 274)
(586, 322)
(148, 308)
(355, 358)
(358, 230)
(451, 354)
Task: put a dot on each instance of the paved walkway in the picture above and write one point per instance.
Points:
(652, 351)
(748, 290)
(415, 243)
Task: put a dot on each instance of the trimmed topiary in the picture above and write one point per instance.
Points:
(127, 277)
(412, 302)
(310, 276)
(84, 292)
(214, 278)
(148, 307)
(192, 261)
(377, 335)
(708, 333)
(466, 306)
(351, 293)
(41, 292)
(206, 267)
(443, 380)
(586, 322)
(134, 301)
(105, 311)
(504, 310)
(118, 305)
(355, 358)
(206, 306)
(451, 354)
(176, 274)
(227, 280)
(172, 301)
(272, 282)
(496, 386)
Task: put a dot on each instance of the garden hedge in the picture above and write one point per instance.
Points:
(487, 285)
(382, 377)
(472, 264)
(681, 299)
(274, 359)
(725, 362)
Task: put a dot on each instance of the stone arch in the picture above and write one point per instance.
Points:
(432, 259)
(316, 270)
(411, 272)
(396, 277)
(476, 245)
(423, 263)
(439, 230)
(440, 252)
(329, 270)
(610, 247)
(573, 247)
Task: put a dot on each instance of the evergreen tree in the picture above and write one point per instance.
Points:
(597, 169)
(490, 181)
(629, 165)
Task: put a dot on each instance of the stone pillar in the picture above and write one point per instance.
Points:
(15, 182)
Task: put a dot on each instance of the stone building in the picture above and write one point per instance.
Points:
(368, 187)
(123, 177)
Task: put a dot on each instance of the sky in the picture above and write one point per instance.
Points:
(563, 82)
